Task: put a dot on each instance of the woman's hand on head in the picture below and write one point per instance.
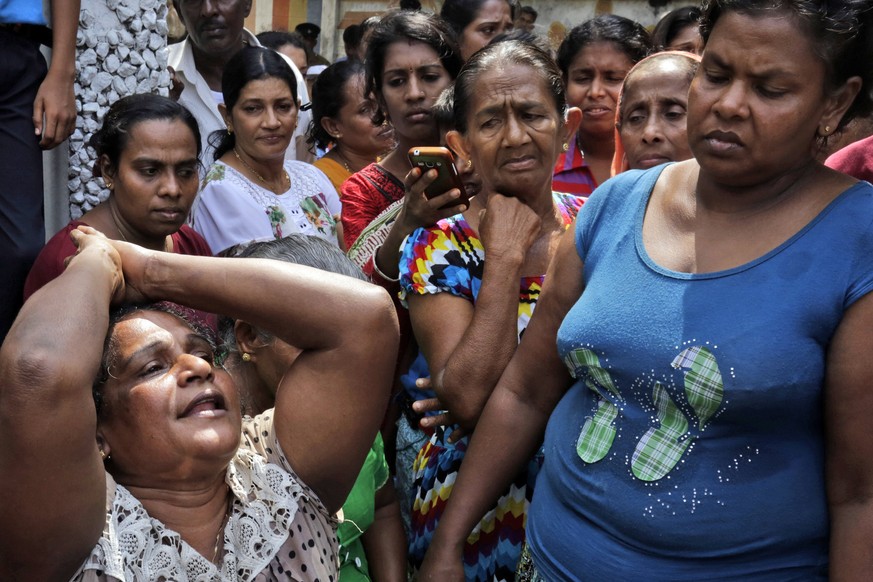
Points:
(128, 261)
(90, 241)
(420, 211)
(507, 226)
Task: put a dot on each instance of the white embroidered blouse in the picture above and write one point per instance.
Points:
(230, 209)
(277, 529)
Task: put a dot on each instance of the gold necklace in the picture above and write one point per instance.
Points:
(168, 240)
(261, 178)
(343, 160)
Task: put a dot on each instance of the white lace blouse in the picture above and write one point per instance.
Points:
(277, 529)
(230, 209)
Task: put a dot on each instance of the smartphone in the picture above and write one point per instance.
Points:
(441, 160)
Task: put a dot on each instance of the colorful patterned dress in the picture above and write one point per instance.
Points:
(450, 258)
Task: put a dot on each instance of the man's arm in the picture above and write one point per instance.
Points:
(54, 110)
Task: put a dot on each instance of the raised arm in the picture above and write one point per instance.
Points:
(330, 403)
(417, 211)
(467, 349)
(53, 485)
(512, 424)
(361, 203)
(849, 444)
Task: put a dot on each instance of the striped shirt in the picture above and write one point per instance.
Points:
(572, 175)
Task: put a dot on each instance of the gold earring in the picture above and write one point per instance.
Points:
(229, 131)
(103, 456)
(565, 147)
(108, 183)
(827, 129)
(469, 164)
(246, 357)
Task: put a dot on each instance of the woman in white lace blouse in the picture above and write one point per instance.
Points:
(168, 489)
(252, 192)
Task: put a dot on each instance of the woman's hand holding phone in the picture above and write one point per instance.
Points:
(421, 209)
(441, 160)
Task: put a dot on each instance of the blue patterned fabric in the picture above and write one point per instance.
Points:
(691, 445)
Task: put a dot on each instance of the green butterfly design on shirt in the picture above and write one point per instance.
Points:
(661, 448)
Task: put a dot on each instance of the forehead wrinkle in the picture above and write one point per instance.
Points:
(164, 342)
(140, 335)
(668, 101)
(638, 101)
(506, 100)
(502, 80)
(757, 63)
(151, 347)
(640, 85)
(768, 72)
(506, 88)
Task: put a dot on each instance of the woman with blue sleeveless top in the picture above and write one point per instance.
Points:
(706, 412)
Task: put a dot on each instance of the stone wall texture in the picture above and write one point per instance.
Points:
(120, 46)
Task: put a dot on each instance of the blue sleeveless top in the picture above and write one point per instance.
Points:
(691, 445)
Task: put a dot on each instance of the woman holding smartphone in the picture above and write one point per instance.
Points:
(411, 58)
(467, 313)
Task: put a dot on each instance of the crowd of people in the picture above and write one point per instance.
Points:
(275, 352)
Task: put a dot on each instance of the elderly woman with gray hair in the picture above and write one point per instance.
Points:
(371, 538)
